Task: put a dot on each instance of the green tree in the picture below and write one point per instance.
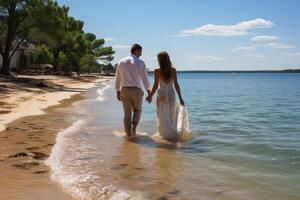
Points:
(42, 55)
(63, 35)
(97, 53)
(96, 48)
(63, 63)
(87, 63)
(109, 68)
(16, 19)
(76, 49)
(44, 22)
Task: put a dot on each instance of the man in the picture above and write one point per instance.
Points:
(130, 74)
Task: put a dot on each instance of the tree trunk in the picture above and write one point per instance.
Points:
(9, 38)
(5, 65)
(55, 59)
(6, 56)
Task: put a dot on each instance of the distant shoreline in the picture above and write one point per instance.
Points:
(239, 71)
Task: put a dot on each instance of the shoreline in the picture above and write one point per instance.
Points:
(27, 142)
(21, 100)
(24, 146)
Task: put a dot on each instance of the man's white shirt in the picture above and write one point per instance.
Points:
(131, 72)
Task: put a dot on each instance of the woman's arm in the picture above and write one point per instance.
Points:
(154, 88)
(177, 88)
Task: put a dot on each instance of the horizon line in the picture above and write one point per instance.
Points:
(237, 71)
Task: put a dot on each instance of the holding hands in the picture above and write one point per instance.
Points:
(119, 95)
(149, 98)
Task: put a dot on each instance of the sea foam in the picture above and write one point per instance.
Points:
(100, 92)
(70, 161)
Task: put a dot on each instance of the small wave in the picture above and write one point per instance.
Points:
(123, 134)
(70, 161)
(100, 92)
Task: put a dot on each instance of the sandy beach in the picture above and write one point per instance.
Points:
(28, 134)
(105, 100)
(29, 95)
(77, 149)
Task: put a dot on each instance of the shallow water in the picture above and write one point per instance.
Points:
(245, 144)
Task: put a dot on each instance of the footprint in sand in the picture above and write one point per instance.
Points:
(32, 148)
(40, 172)
(26, 165)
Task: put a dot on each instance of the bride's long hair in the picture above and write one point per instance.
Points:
(165, 64)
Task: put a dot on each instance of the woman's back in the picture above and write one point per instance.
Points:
(166, 108)
(165, 80)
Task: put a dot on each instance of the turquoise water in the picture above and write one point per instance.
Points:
(245, 144)
(244, 115)
(248, 116)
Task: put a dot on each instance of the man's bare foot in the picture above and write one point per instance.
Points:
(128, 136)
(133, 128)
(132, 132)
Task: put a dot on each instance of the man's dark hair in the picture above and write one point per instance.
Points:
(135, 47)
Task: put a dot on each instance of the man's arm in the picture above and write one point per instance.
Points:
(144, 76)
(154, 88)
(118, 82)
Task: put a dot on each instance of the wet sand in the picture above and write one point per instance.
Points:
(29, 95)
(24, 146)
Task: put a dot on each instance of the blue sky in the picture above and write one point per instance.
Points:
(199, 35)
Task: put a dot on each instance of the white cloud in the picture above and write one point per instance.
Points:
(292, 54)
(243, 48)
(227, 30)
(276, 46)
(255, 55)
(264, 38)
(109, 39)
(207, 58)
(121, 46)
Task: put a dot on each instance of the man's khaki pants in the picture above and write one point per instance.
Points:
(131, 98)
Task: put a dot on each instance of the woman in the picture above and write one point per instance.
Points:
(171, 120)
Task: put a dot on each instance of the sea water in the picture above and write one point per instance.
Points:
(245, 143)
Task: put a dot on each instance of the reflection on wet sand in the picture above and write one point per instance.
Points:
(130, 172)
(168, 170)
(144, 165)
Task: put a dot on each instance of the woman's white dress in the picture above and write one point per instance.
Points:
(172, 117)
